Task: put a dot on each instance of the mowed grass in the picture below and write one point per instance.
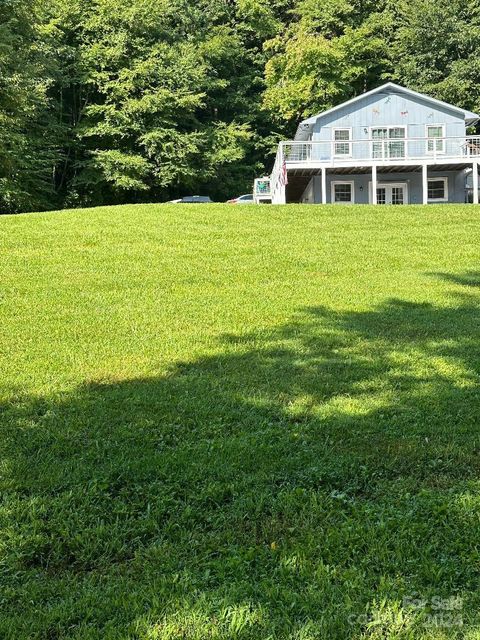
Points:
(240, 423)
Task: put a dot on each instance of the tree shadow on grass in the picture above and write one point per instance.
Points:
(299, 484)
(468, 279)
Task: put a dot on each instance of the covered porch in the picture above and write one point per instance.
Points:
(380, 184)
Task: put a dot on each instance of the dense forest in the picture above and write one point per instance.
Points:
(108, 101)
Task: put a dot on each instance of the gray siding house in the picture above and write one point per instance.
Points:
(388, 146)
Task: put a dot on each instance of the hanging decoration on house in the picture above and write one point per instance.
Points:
(404, 113)
(376, 111)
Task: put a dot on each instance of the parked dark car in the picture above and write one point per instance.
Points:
(193, 199)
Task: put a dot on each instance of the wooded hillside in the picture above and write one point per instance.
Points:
(107, 101)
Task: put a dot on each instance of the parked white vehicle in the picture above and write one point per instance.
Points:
(245, 199)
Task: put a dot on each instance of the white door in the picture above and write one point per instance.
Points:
(391, 193)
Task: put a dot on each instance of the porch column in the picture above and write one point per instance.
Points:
(374, 184)
(324, 185)
(425, 183)
(475, 182)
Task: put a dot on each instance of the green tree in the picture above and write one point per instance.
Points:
(160, 97)
(327, 54)
(28, 131)
(436, 49)
(107, 101)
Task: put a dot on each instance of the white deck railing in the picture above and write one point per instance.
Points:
(391, 151)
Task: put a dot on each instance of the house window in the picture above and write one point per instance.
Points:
(436, 141)
(342, 192)
(388, 142)
(438, 189)
(343, 145)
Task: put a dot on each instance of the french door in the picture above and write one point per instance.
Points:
(388, 142)
(391, 193)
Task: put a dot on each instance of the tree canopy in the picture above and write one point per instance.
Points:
(103, 101)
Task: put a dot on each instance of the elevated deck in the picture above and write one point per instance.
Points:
(371, 155)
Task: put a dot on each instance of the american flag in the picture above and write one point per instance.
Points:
(284, 175)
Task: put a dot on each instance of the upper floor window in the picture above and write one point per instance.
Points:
(342, 142)
(388, 142)
(436, 138)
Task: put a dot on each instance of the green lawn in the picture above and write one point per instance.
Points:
(240, 423)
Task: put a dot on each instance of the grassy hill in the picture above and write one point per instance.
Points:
(240, 422)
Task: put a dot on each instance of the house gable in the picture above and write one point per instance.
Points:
(389, 105)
